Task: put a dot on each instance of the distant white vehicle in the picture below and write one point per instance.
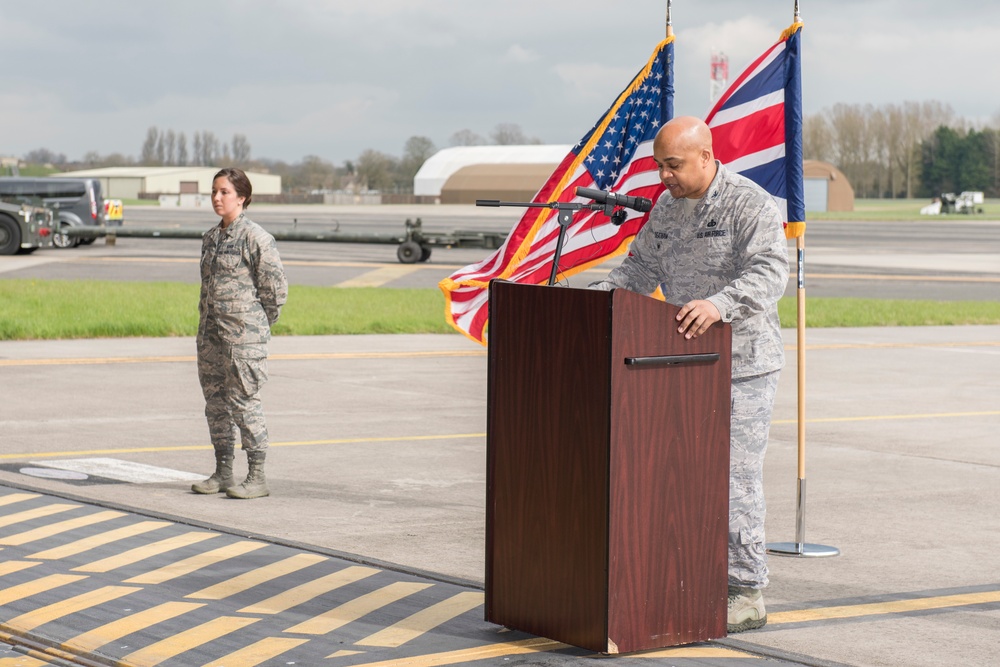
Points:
(934, 208)
(948, 203)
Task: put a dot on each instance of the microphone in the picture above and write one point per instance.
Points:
(640, 204)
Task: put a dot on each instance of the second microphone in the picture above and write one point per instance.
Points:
(640, 204)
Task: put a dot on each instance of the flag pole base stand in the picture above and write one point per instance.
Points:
(799, 547)
(802, 550)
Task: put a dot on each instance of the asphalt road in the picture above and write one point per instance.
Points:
(922, 259)
(378, 469)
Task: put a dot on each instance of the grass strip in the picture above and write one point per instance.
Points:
(890, 210)
(57, 309)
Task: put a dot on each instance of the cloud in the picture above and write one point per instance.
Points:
(518, 54)
(335, 77)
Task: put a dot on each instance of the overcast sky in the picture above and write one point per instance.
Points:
(335, 77)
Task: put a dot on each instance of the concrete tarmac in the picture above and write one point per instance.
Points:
(378, 450)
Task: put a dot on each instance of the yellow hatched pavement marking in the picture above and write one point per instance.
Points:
(12, 498)
(24, 661)
(305, 592)
(423, 621)
(343, 654)
(37, 513)
(93, 639)
(257, 652)
(11, 566)
(537, 645)
(144, 552)
(378, 277)
(261, 575)
(30, 588)
(877, 608)
(189, 565)
(101, 539)
(178, 643)
(356, 608)
(60, 527)
(31, 620)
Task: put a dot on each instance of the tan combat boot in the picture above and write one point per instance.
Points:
(255, 485)
(746, 609)
(221, 479)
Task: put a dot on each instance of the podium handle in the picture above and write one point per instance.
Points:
(671, 359)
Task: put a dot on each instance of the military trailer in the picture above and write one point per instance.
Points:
(25, 228)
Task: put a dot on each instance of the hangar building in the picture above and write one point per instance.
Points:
(463, 174)
(826, 187)
(150, 182)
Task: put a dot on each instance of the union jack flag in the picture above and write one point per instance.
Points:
(616, 154)
(757, 127)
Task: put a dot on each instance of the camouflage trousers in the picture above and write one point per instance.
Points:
(752, 403)
(231, 377)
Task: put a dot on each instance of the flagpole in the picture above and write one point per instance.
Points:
(670, 26)
(799, 547)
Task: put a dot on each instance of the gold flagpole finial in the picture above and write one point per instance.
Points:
(670, 27)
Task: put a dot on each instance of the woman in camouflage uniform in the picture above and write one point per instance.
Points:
(243, 288)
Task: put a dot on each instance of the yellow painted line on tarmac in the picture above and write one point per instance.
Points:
(12, 498)
(194, 563)
(525, 646)
(423, 621)
(180, 642)
(256, 653)
(878, 608)
(37, 513)
(12, 566)
(357, 608)
(99, 540)
(191, 448)
(24, 661)
(379, 276)
(94, 639)
(36, 586)
(142, 553)
(452, 436)
(84, 361)
(36, 617)
(421, 354)
(261, 575)
(305, 592)
(936, 415)
(57, 528)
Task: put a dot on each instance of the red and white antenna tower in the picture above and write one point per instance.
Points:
(719, 76)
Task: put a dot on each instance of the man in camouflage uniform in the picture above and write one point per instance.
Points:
(243, 288)
(718, 248)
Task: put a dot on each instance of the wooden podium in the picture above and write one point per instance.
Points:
(607, 475)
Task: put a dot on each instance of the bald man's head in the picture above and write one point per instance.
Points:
(683, 153)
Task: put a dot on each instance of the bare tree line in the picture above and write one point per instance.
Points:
(883, 151)
(171, 148)
(372, 170)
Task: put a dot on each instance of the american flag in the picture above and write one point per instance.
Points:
(757, 127)
(616, 154)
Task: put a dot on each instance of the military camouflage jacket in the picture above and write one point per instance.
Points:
(731, 250)
(243, 285)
